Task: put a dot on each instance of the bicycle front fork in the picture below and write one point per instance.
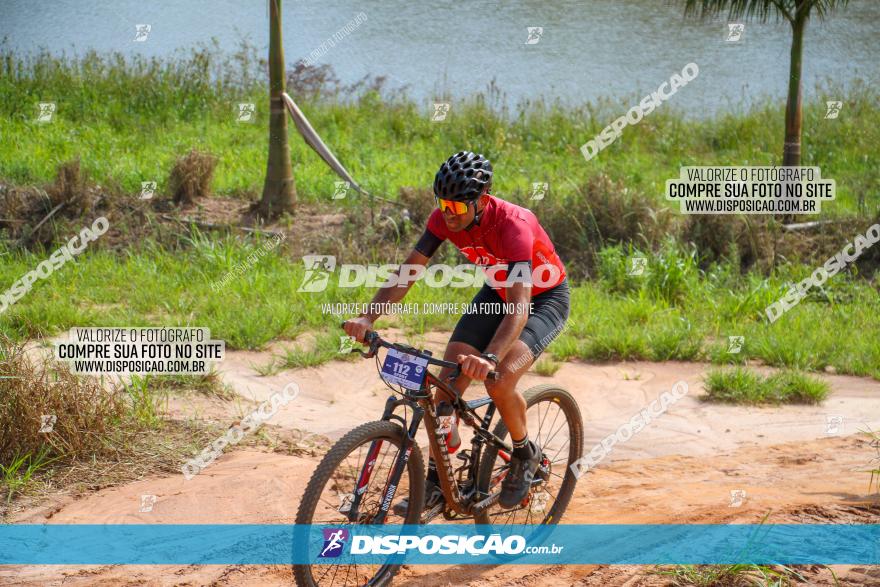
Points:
(397, 468)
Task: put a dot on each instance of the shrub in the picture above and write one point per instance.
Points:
(191, 177)
(85, 412)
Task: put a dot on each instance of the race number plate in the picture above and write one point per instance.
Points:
(404, 370)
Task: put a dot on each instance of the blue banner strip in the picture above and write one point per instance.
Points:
(440, 544)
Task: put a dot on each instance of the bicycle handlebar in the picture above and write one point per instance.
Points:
(375, 341)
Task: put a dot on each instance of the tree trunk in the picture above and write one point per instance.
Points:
(279, 190)
(791, 153)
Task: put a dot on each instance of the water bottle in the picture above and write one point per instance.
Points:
(447, 426)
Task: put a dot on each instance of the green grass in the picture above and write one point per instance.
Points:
(326, 347)
(18, 473)
(742, 386)
(547, 366)
(735, 575)
(742, 575)
(146, 403)
(210, 384)
(141, 114)
(689, 319)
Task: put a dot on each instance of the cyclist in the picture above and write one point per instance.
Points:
(522, 268)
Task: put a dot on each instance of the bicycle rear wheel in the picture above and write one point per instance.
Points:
(555, 425)
(332, 488)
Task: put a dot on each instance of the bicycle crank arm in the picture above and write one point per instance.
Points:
(481, 506)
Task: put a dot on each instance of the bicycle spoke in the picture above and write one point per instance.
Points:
(552, 459)
(554, 420)
(541, 422)
(324, 574)
(564, 424)
(375, 472)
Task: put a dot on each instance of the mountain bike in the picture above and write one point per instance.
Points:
(368, 469)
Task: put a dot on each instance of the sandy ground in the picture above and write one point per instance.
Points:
(682, 468)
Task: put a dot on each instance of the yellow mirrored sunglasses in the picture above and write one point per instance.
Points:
(453, 206)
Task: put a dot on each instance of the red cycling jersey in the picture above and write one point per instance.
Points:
(506, 234)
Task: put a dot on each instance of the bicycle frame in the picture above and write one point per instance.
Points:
(422, 404)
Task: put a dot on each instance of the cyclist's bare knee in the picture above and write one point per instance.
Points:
(513, 366)
(453, 349)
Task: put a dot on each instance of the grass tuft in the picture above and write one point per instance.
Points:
(191, 177)
(82, 412)
(742, 386)
(743, 575)
(547, 366)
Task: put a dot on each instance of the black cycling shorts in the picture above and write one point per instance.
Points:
(549, 313)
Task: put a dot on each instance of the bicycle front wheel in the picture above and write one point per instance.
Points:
(330, 493)
(555, 425)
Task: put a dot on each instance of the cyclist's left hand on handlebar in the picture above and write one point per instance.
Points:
(358, 328)
(475, 367)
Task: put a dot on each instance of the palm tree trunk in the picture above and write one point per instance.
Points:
(791, 154)
(279, 190)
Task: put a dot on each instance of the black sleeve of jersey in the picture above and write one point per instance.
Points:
(428, 243)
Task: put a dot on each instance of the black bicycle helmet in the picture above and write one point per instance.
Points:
(464, 176)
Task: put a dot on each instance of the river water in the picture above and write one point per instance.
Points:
(586, 50)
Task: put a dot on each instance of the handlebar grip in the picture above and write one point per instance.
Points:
(493, 375)
(369, 337)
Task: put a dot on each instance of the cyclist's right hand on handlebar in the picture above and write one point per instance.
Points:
(358, 327)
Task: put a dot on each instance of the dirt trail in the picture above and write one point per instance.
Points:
(681, 468)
